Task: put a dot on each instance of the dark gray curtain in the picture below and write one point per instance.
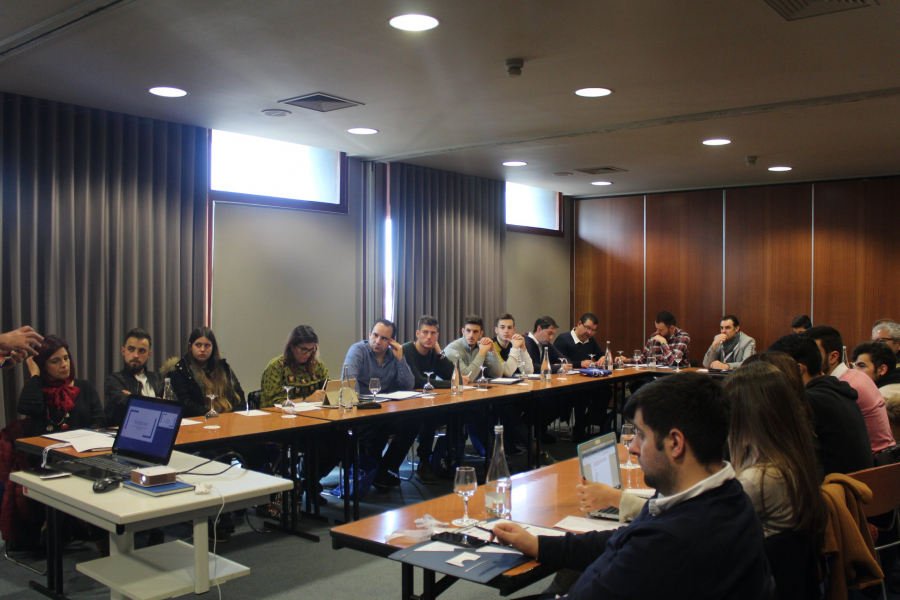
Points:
(104, 228)
(374, 206)
(450, 233)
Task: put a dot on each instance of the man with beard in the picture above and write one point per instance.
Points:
(133, 379)
(697, 537)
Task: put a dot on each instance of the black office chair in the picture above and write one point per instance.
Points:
(794, 563)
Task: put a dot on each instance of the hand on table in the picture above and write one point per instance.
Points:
(316, 396)
(719, 365)
(513, 535)
(597, 496)
(518, 341)
(586, 364)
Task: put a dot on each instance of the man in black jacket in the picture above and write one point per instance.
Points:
(699, 537)
(133, 379)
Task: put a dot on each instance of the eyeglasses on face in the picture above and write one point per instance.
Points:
(306, 351)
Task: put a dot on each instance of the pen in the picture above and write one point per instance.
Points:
(324, 383)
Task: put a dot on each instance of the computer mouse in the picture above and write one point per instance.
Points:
(102, 486)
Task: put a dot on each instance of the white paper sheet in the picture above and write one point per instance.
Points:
(252, 413)
(189, 422)
(582, 525)
(398, 396)
(460, 559)
(438, 547)
(83, 440)
(495, 549)
(504, 380)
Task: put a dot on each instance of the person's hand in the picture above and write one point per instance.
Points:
(32, 367)
(465, 379)
(518, 341)
(586, 364)
(316, 396)
(719, 365)
(659, 340)
(396, 348)
(10, 359)
(485, 345)
(23, 339)
(719, 339)
(437, 348)
(596, 496)
(514, 535)
(126, 392)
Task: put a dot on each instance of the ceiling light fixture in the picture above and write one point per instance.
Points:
(167, 92)
(593, 92)
(276, 112)
(778, 169)
(716, 142)
(601, 183)
(414, 22)
(362, 131)
(514, 163)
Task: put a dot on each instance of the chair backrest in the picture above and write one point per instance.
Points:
(885, 485)
(253, 399)
(794, 564)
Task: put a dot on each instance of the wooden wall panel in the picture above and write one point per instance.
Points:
(857, 255)
(684, 263)
(609, 268)
(768, 258)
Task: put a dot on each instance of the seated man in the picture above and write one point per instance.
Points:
(542, 337)
(134, 378)
(699, 537)
(876, 360)
(579, 344)
(668, 343)
(509, 350)
(888, 332)
(837, 420)
(382, 357)
(869, 399)
(801, 324)
(731, 347)
(472, 350)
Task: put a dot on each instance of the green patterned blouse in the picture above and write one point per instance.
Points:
(276, 376)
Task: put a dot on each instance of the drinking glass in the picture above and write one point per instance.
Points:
(563, 367)
(651, 361)
(428, 387)
(627, 438)
(522, 375)
(482, 381)
(591, 365)
(620, 360)
(211, 412)
(637, 358)
(465, 485)
(287, 407)
(677, 361)
(375, 387)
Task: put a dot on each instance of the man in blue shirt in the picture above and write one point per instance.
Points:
(381, 357)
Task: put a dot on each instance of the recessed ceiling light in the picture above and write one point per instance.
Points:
(276, 112)
(780, 168)
(514, 163)
(593, 92)
(414, 22)
(362, 131)
(716, 142)
(563, 173)
(601, 183)
(168, 92)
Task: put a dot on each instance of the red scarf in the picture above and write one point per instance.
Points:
(60, 395)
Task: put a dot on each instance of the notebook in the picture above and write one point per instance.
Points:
(598, 460)
(145, 439)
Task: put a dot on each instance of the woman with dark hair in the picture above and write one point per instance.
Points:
(53, 398)
(298, 367)
(202, 372)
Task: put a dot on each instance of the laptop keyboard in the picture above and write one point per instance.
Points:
(608, 512)
(104, 462)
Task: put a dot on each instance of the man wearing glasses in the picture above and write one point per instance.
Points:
(888, 332)
(579, 344)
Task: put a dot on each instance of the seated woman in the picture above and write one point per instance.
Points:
(202, 372)
(772, 452)
(297, 367)
(53, 398)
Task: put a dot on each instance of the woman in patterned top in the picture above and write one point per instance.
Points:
(298, 367)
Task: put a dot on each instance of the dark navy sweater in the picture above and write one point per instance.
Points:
(707, 547)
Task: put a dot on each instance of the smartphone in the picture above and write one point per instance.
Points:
(459, 539)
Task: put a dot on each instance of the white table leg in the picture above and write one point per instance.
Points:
(120, 544)
(201, 556)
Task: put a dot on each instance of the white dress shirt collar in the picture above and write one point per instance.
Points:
(661, 503)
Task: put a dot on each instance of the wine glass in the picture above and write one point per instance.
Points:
(465, 484)
(428, 388)
(620, 360)
(288, 406)
(563, 368)
(522, 376)
(591, 365)
(627, 438)
(211, 412)
(482, 382)
(375, 387)
(677, 361)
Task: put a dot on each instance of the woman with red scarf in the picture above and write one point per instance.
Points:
(53, 398)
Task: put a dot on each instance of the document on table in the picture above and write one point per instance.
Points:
(83, 440)
(438, 547)
(582, 525)
(189, 422)
(398, 395)
(505, 380)
(252, 413)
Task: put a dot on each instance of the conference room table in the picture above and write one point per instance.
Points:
(542, 497)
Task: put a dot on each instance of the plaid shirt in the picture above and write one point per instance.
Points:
(680, 343)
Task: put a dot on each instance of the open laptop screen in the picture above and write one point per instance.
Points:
(148, 431)
(599, 461)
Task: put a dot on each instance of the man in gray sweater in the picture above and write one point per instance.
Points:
(731, 347)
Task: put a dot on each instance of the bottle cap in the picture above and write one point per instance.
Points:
(498, 428)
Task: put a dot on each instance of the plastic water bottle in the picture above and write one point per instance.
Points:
(455, 383)
(345, 400)
(546, 370)
(498, 484)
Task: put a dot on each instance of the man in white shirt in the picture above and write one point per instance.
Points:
(509, 350)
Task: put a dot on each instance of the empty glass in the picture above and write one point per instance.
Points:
(651, 361)
(591, 364)
(677, 361)
(482, 381)
(375, 387)
(620, 360)
(637, 358)
(287, 407)
(627, 438)
(465, 484)
(428, 387)
(211, 411)
(563, 367)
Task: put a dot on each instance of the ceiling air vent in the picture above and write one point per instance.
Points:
(601, 170)
(320, 102)
(793, 10)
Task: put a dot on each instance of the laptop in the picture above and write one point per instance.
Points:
(145, 439)
(598, 460)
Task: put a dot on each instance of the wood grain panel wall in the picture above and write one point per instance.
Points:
(857, 255)
(684, 263)
(609, 268)
(768, 258)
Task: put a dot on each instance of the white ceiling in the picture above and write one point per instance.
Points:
(796, 93)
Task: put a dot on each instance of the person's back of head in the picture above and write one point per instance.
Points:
(692, 403)
(770, 430)
(801, 323)
(829, 337)
(666, 318)
(791, 370)
(892, 406)
(803, 350)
